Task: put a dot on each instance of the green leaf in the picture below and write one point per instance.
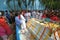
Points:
(51, 4)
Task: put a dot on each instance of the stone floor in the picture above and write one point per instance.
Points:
(25, 36)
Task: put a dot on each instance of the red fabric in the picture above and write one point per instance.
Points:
(5, 26)
(2, 31)
(44, 16)
(54, 18)
(19, 16)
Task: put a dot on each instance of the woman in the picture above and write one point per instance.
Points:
(54, 18)
(4, 28)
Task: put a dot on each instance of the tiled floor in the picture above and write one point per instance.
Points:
(25, 36)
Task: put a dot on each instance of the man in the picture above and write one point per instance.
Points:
(8, 16)
(27, 16)
(40, 15)
(37, 14)
(12, 16)
(23, 24)
(18, 25)
(34, 14)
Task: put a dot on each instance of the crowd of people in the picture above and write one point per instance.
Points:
(18, 20)
(47, 14)
(5, 29)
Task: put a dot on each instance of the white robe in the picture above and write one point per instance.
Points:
(23, 25)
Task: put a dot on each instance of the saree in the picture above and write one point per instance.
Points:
(5, 26)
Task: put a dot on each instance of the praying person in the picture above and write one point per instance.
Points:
(18, 25)
(23, 24)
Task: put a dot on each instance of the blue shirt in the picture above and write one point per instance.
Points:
(17, 21)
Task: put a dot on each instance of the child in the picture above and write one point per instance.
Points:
(4, 28)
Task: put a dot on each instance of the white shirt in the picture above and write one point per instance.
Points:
(37, 15)
(27, 16)
(40, 15)
(34, 14)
